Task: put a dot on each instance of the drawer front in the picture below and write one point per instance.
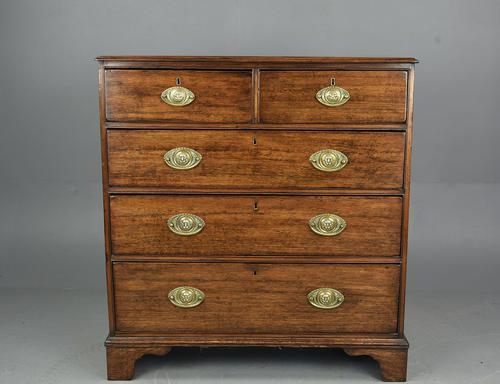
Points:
(219, 96)
(256, 160)
(257, 298)
(255, 225)
(374, 97)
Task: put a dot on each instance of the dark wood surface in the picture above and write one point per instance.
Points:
(220, 96)
(233, 226)
(375, 97)
(273, 102)
(251, 160)
(255, 298)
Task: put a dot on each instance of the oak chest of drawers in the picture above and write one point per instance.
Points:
(256, 201)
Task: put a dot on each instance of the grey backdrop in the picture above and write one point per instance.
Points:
(50, 214)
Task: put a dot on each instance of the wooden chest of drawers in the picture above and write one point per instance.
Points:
(256, 201)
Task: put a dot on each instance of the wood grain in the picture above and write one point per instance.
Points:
(254, 160)
(290, 97)
(320, 340)
(255, 298)
(256, 258)
(279, 225)
(220, 96)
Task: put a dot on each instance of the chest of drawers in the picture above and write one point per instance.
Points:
(256, 201)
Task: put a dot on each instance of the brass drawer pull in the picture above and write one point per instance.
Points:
(185, 224)
(328, 160)
(333, 96)
(177, 96)
(325, 298)
(327, 224)
(182, 158)
(186, 297)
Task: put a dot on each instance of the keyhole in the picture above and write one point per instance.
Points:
(254, 141)
(178, 81)
(255, 273)
(333, 81)
(255, 206)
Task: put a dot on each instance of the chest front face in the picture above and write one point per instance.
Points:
(256, 201)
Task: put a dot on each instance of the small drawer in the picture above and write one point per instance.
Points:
(260, 160)
(216, 298)
(225, 225)
(200, 96)
(359, 97)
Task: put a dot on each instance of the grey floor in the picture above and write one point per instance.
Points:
(57, 337)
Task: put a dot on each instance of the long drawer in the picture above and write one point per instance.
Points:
(208, 159)
(258, 298)
(225, 225)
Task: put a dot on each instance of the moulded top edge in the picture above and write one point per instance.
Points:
(259, 59)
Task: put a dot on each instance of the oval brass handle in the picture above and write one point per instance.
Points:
(333, 95)
(325, 298)
(177, 96)
(182, 158)
(327, 224)
(185, 224)
(328, 160)
(186, 297)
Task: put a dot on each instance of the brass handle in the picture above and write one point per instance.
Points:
(182, 158)
(328, 160)
(327, 224)
(185, 224)
(333, 95)
(325, 298)
(186, 297)
(177, 96)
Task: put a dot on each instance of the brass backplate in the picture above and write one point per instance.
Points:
(325, 298)
(328, 160)
(185, 224)
(177, 96)
(186, 297)
(327, 224)
(182, 158)
(333, 96)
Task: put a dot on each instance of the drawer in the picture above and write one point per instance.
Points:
(256, 298)
(255, 225)
(374, 97)
(219, 96)
(256, 160)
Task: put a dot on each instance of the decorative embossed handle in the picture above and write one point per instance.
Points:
(177, 96)
(325, 298)
(182, 158)
(333, 96)
(327, 224)
(328, 160)
(185, 224)
(186, 297)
